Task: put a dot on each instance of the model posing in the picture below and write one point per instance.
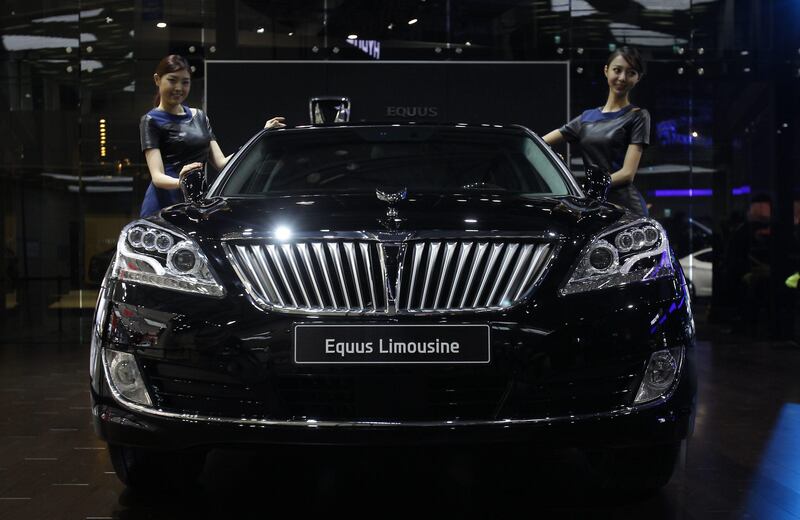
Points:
(613, 137)
(176, 138)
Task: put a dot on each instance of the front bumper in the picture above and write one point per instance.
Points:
(665, 421)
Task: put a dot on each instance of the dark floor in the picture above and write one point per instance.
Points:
(742, 462)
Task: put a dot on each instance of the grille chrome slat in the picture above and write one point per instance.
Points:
(495, 253)
(433, 254)
(263, 264)
(278, 261)
(259, 280)
(351, 276)
(507, 256)
(319, 252)
(463, 253)
(365, 254)
(418, 248)
(449, 248)
(536, 263)
(514, 278)
(350, 252)
(303, 249)
(333, 248)
(289, 254)
(476, 262)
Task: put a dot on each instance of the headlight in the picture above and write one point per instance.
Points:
(152, 255)
(636, 252)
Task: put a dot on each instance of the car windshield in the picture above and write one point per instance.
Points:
(420, 159)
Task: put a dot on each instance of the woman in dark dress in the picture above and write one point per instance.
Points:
(613, 137)
(175, 138)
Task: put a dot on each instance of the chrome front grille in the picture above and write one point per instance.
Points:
(350, 276)
(468, 275)
(331, 276)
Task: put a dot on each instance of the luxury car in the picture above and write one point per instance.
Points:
(394, 284)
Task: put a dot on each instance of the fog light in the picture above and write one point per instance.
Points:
(661, 372)
(124, 376)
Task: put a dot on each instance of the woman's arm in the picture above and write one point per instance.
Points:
(553, 138)
(217, 158)
(629, 167)
(156, 166)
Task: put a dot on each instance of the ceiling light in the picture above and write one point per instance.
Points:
(352, 36)
(161, 25)
(391, 26)
(412, 21)
(260, 30)
(291, 34)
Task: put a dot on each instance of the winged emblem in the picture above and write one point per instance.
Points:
(392, 198)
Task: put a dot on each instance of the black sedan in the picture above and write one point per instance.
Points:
(394, 284)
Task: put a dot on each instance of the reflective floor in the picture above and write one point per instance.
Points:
(742, 462)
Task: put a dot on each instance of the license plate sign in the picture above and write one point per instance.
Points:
(391, 344)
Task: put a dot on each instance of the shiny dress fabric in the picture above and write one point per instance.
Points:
(181, 139)
(603, 138)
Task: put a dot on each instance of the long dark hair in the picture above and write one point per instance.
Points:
(629, 54)
(171, 63)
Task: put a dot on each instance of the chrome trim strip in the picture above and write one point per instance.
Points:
(333, 248)
(507, 256)
(323, 262)
(418, 248)
(289, 254)
(244, 257)
(463, 253)
(365, 254)
(433, 255)
(476, 262)
(261, 260)
(276, 259)
(514, 278)
(449, 248)
(350, 253)
(303, 249)
(496, 249)
(534, 266)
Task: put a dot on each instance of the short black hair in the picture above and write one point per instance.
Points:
(629, 54)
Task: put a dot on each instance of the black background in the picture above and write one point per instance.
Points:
(533, 94)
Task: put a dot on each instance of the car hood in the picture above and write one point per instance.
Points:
(494, 213)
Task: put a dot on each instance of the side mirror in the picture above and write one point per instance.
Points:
(597, 184)
(194, 186)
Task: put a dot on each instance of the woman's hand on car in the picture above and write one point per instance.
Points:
(189, 167)
(275, 122)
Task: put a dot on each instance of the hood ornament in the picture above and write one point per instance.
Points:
(391, 221)
(392, 198)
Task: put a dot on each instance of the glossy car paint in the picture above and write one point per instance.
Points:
(564, 369)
